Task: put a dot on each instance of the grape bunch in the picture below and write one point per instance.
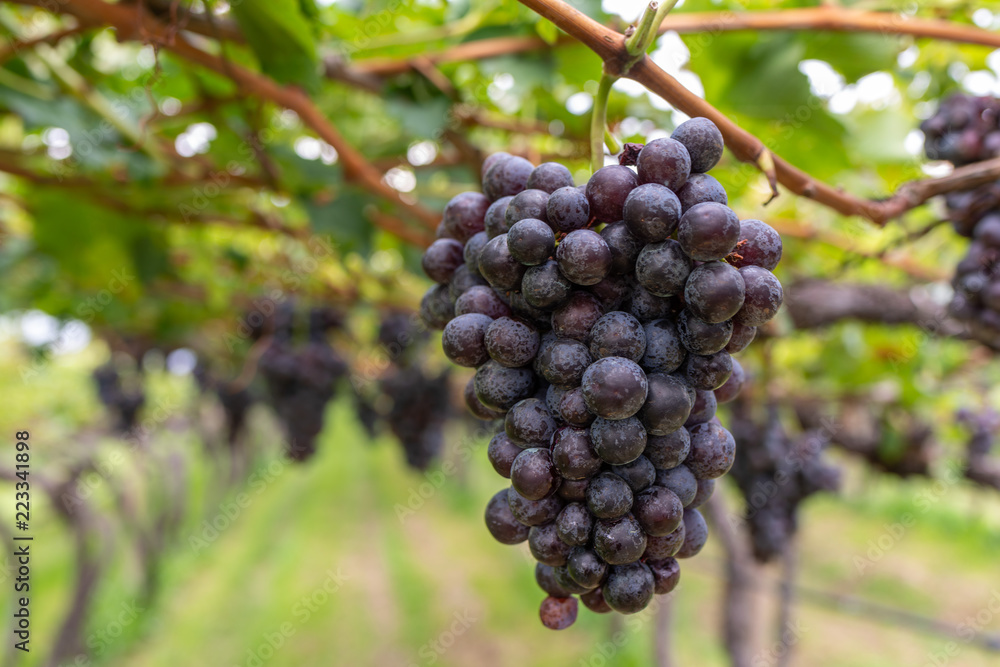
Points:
(964, 130)
(235, 400)
(301, 379)
(775, 474)
(601, 321)
(981, 465)
(123, 403)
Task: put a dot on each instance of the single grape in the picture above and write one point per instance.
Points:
(695, 534)
(533, 512)
(666, 574)
(668, 404)
(462, 281)
(531, 241)
(583, 256)
(664, 351)
(705, 405)
(700, 337)
(564, 362)
(511, 342)
(664, 161)
(670, 450)
(573, 408)
(545, 577)
(713, 451)
(658, 510)
(496, 217)
(624, 248)
(705, 489)
(763, 296)
(731, 388)
(558, 613)
(545, 545)
(498, 266)
(501, 523)
(759, 245)
(574, 455)
(699, 189)
(638, 474)
(708, 372)
(530, 204)
(607, 190)
(708, 231)
(652, 212)
(544, 287)
(473, 247)
(464, 215)
(617, 334)
(619, 541)
(664, 547)
(594, 601)
(741, 338)
(529, 424)
(618, 441)
(663, 268)
(714, 292)
(573, 490)
(499, 387)
(478, 410)
(436, 308)
(703, 140)
(501, 453)
(629, 588)
(507, 177)
(482, 300)
(680, 480)
(608, 496)
(614, 387)
(574, 524)
(492, 159)
(576, 316)
(586, 567)
(550, 176)
(441, 259)
(463, 339)
(568, 210)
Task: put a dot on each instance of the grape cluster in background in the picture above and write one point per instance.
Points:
(965, 130)
(123, 401)
(601, 321)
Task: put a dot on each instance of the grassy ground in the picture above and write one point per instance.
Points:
(355, 560)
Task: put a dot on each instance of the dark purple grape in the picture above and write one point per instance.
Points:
(568, 209)
(583, 256)
(530, 204)
(763, 296)
(544, 287)
(617, 334)
(670, 450)
(558, 613)
(652, 212)
(646, 306)
(695, 534)
(478, 410)
(574, 455)
(708, 231)
(545, 545)
(705, 405)
(511, 342)
(708, 372)
(638, 474)
(712, 451)
(658, 510)
(629, 588)
(700, 337)
(574, 525)
(532, 475)
(664, 547)
(531, 241)
(533, 512)
(553, 395)
(463, 342)
(714, 292)
(498, 266)
(473, 247)
(462, 281)
(664, 161)
(759, 245)
(624, 248)
(663, 268)
(699, 189)
(506, 177)
(614, 387)
(618, 441)
(492, 159)
(436, 308)
(664, 352)
(499, 387)
(741, 338)
(608, 496)
(545, 577)
(550, 176)
(483, 300)
(668, 404)
(706, 487)
(464, 215)
(594, 601)
(573, 408)
(501, 453)
(731, 389)
(680, 480)
(611, 292)
(703, 141)
(441, 259)
(529, 423)
(575, 318)
(607, 190)
(525, 311)
(585, 567)
(496, 217)
(666, 574)
(573, 490)
(564, 362)
(619, 541)
(501, 523)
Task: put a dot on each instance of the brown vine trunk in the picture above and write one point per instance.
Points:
(741, 576)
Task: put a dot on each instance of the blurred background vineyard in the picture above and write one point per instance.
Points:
(149, 206)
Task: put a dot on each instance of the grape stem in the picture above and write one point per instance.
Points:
(598, 122)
